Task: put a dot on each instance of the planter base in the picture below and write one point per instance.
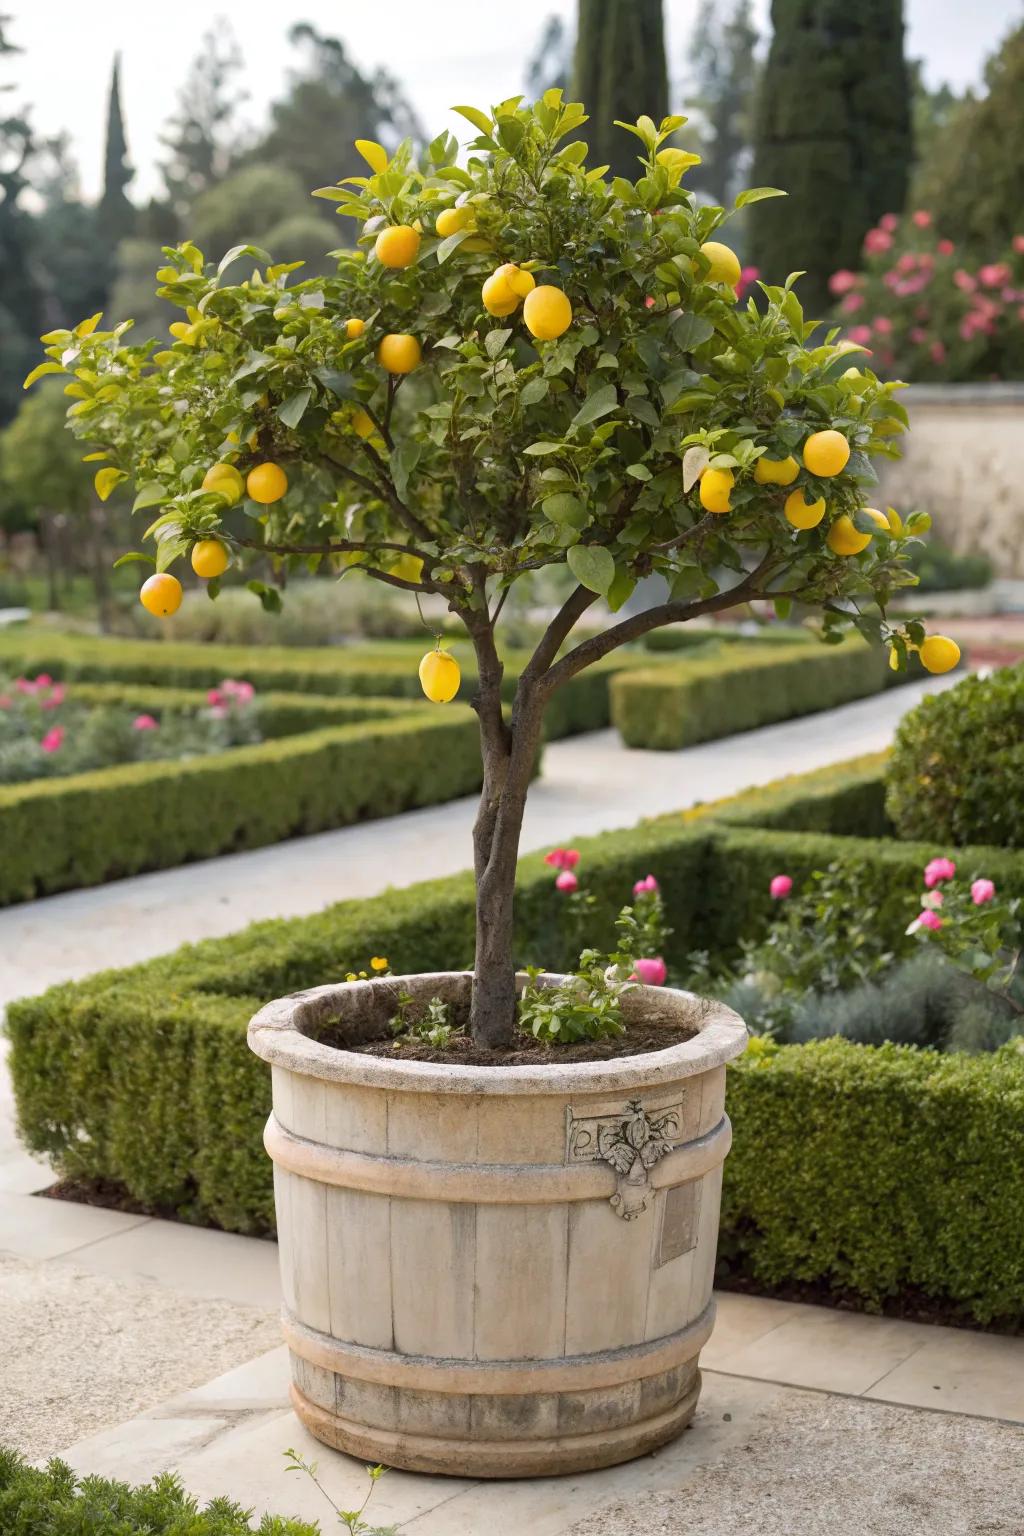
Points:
(496, 1458)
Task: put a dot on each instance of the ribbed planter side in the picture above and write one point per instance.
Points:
(494, 1272)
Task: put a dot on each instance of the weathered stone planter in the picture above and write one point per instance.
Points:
(496, 1272)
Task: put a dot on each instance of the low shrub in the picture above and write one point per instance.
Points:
(738, 689)
(940, 569)
(689, 637)
(55, 1501)
(956, 774)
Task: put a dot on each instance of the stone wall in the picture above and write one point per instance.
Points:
(964, 463)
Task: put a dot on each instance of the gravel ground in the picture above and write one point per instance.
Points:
(835, 1466)
(80, 1351)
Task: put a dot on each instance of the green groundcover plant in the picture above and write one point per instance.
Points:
(523, 364)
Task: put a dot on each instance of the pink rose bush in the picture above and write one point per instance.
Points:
(641, 927)
(781, 887)
(928, 311)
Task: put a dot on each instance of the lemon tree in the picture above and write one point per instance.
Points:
(523, 363)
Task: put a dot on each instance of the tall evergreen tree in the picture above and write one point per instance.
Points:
(550, 63)
(833, 128)
(20, 299)
(723, 58)
(620, 72)
(117, 214)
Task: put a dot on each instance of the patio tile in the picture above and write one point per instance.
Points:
(31, 1228)
(829, 1350)
(194, 1260)
(961, 1372)
(741, 1320)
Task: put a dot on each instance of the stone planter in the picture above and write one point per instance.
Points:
(494, 1271)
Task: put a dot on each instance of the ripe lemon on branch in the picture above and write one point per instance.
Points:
(826, 454)
(161, 595)
(547, 312)
(209, 558)
(266, 483)
(776, 471)
(801, 513)
(226, 481)
(397, 246)
(440, 676)
(715, 489)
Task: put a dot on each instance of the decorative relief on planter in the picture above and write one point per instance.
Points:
(632, 1142)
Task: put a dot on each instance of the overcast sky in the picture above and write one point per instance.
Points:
(448, 51)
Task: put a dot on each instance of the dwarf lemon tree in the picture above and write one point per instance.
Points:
(523, 363)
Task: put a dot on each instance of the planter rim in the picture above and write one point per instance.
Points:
(276, 1033)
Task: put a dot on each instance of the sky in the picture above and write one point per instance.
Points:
(445, 52)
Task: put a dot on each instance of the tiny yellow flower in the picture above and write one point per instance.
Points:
(379, 963)
(351, 976)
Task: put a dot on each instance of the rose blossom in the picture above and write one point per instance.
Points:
(982, 891)
(56, 698)
(214, 696)
(889, 222)
(651, 972)
(945, 247)
(994, 275)
(964, 281)
(53, 739)
(859, 334)
(922, 218)
(930, 919)
(876, 241)
(144, 723)
(648, 884)
(1018, 244)
(882, 325)
(852, 303)
(842, 281)
(938, 870)
(780, 887)
(938, 351)
(567, 881)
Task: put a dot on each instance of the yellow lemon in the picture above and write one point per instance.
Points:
(399, 353)
(397, 246)
(498, 296)
(877, 517)
(519, 282)
(715, 486)
(725, 264)
(354, 327)
(776, 471)
(161, 595)
(440, 676)
(406, 567)
(266, 483)
(450, 220)
(826, 454)
(547, 312)
(226, 481)
(844, 538)
(938, 653)
(363, 423)
(209, 558)
(801, 513)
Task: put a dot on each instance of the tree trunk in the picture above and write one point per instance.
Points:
(49, 542)
(100, 580)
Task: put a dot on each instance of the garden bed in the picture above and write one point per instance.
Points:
(322, 762)
(900, 1168)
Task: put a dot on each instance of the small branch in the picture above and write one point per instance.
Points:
(343, 547)
(557, 632)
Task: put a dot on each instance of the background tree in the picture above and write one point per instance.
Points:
(973, 175)
(723, 59)
(21, 314)
(931, 112)
(202, 137)
(832, 127)
(268, 205)
(117, 215)
(550, 64)
(621, 71)
(71, 253)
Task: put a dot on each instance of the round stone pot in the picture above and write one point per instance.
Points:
(494, 1271)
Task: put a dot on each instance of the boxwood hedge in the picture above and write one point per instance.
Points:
(824, 1134)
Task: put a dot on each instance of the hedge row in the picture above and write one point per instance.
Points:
(378, 669)
(62, 833)
(689, 637)
(170, 1034)
(678, 704)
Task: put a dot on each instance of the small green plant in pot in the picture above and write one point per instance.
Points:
(522, 365)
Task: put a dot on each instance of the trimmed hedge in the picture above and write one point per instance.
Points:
(689, 637)
(170, 1034)
(55, 1501)
(681, 703)
(62, 833)
(377, 669)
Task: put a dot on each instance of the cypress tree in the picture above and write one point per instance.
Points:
(117, 214)
(620, 72)
(833, 129)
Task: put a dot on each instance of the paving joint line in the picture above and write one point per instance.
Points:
(858, 1397)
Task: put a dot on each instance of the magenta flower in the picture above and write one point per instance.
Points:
(567, 881)
(651, 972)
(145, 723)
(922, 218)
(44, 680)
(244, 692)
(572, 858)
(780, 887)
(56, 698)
(556, 858)
(852, 302)
(982, 891)
(215, 697)
(889, 222)
(994, 274)
(882, 325)
(647, 884)
(930, 919)
(842, 281)
(938, 352)
(945, 247)
(22, 685)
(859, 334)
(938, 870)
(877, 241)
(53, 739)
(748, 276)
(964, 281)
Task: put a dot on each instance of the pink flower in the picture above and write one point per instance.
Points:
(649, 302)
(567, 881)
(945, 247)
(907, 262)
(1018, 244)
(748, 276)
(780, 887)
(922, 218)
(56, 698)
(918, 335)
(651, 972)
(930, 919)
(938, 352)
(882, 325)
(562, 858)
(995, 274)
(964, 281)
(648, 884)
(938, 870)
(876, 241)
(5, 701)
(860, 334)
(22, 685)
(244, 692)
(842, 281)
(145, 723)
(889, 221)
(852, 303)
(44, 680)
(572, 858)
(215, 697)
(982, 891)
(51, 742)
(219, 711)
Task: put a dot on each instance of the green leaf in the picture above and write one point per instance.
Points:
(689, 331)
(476, 117)
(253, 364)
(133, 557)
(40, 370)
(593, 567)
(783, 607)
(494, 342)
(292, 410)
(270, 597)
(169, 550)
(403, 461)
(533, 391)
(152, 495)
(597, 404)
(621, 590)
(565, 508)
(536, 450)
(451, 243)
(339, 383)
(638, 471)
(757, 195)
(255, 251)
(105, 481)
(695, 462)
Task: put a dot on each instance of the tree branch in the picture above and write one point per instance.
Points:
(344, 547)
(557, 632)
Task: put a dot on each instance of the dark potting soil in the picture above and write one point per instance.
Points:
(462, 1051)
